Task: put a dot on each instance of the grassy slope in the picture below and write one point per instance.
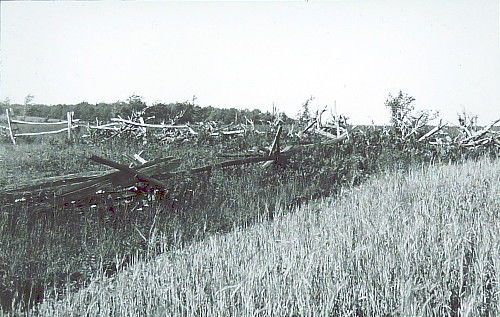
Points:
(415, 244)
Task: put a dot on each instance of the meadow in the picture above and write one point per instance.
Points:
(427, 246)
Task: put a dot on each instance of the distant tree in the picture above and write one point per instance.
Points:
(105, 111)
(37, 110)
(135, 100)
(84, 111)
(58, 111)
(305, 111)
(27, 101)
(404, 118)
(5, 102)
(400, 106)
(4, 105)
(134, 103)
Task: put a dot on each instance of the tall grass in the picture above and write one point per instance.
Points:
(47, 246)
(417, 243)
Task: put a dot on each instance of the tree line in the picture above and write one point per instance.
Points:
(180, 112)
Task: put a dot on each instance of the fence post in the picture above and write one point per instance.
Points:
(337, 119)
(69, 117)
(275, 147)
(9, 125)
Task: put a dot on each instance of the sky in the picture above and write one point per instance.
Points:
(353, 54)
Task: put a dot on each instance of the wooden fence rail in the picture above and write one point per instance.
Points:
(69, 122)
(125, 182)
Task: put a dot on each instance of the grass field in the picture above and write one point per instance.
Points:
(417, 243)
(50, 249)
(46, 246)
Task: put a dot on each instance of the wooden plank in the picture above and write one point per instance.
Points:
(157, 161)
(69, 117)
(129, 170)
(118, 179)
(337, 120)
(193, 132)
(327, 134)
(319, 114)
(83, 192)
(235, 132)
(236, 155)
(432, 132)
(107, 125)
(232, 132)
(292, 149)
(72, 191)
(139, 158)
(289, 150)
(42, 133)
(53, 181)
(476, 143)
(308, 127)
(480, 133)
(275, 147)
(64, 184)
(43, 123)
(149, 125)
(9, 125)
(124, 179)
(105, 128)
(229, 163)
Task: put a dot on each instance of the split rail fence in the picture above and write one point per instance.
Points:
(70, 124)
(125, 182)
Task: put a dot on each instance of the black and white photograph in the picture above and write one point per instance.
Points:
(250, 158)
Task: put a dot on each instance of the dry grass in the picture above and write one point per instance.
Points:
(419, 243)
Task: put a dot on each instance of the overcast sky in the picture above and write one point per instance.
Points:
(250, 54)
